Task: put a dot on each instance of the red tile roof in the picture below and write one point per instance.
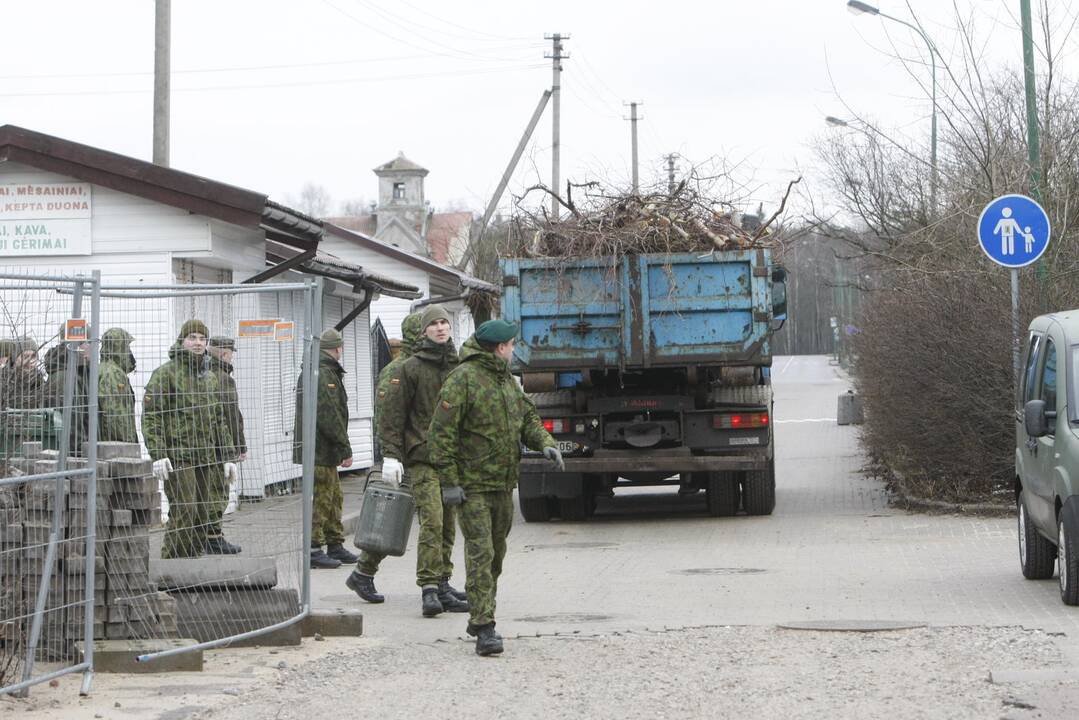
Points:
(443, 229)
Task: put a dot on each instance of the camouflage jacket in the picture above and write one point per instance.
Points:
(56, 365)
(331, 423)
(231, 400)
(407, 414)
(182, 416)
(22, 390)
(116, 399)
(386, 388)
(481, 420)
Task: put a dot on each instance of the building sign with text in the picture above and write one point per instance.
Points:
(45, 219)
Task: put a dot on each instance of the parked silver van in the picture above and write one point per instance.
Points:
(1047, 452)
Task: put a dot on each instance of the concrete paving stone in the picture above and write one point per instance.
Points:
(109, 450)
(145, 485)
(333, 623)
(130, 467)
(137, 501)
(212, 615)
(214, 572)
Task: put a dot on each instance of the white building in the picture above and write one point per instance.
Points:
(68, 208)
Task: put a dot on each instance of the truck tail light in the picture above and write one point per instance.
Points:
(740, 421)
(557, 426)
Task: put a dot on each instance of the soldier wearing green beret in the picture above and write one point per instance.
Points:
(188, 438)
(474, 441)
(332, 449)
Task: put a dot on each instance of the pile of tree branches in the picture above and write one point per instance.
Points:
(607, 223)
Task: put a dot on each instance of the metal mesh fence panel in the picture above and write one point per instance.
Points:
(48, 493)
(205, 537)
(202, 500)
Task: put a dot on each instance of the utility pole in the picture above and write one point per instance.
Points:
(556, 56)
(633, 118)
(1034, 156)
(162, 35)
(670, 172)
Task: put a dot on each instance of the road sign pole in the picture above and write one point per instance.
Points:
(1015, 328)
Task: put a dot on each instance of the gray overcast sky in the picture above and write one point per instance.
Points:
(269, 94)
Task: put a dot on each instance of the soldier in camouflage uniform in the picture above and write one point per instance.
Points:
(57, 365)
(362, 579)
(116, 399)
(475, 437)
(7, 359)
(332, 449)
(405, 419)
(221, 352)
(24, 383)
(188, 438)
(22, 388)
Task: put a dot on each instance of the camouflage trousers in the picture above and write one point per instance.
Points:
(218, 500)
(191, 492)
(326, 528)
(434, 548)
(485, 518)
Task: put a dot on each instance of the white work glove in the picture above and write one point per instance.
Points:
(162, 468)
(232, 473)
(392, 471)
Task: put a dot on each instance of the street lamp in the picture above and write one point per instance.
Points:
(836, 122)
(858, 8)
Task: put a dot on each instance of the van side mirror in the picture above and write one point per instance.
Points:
(1036, 418)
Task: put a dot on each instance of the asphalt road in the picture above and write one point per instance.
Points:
(653, 609)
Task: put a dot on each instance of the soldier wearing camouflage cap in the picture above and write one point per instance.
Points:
(405, 419)
(481, 420)
(188, 438)
(221, 351)
(388, 385)
(332, 449)
(116, 399)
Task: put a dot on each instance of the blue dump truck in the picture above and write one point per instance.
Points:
(648, 369)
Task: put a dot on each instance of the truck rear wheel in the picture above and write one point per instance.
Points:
(722, 494)
(759, 490)
(575, 508)
(535, 509)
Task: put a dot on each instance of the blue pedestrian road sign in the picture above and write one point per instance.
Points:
(1013, 231)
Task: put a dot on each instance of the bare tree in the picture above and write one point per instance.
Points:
(314, 200)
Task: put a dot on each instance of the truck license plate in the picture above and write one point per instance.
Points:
(568, 446)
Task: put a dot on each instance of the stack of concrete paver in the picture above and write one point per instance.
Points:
(125, 603)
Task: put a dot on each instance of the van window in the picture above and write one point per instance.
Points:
(1027, 391)
(1049, 382)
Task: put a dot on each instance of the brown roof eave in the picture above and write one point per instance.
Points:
(129, 175)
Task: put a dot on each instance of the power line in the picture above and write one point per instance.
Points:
(453, 52)
(298, 83)
(238, 68)
(462, 27)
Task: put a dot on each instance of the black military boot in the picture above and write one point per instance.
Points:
(221, 546)
(431, 604)
(364, 586)
(322, 561)
(338, 552)
(445, 587)
(450, 603)
(488, 642)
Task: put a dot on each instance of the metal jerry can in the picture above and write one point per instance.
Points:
(385, 520)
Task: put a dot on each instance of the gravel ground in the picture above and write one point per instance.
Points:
(751, 672)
